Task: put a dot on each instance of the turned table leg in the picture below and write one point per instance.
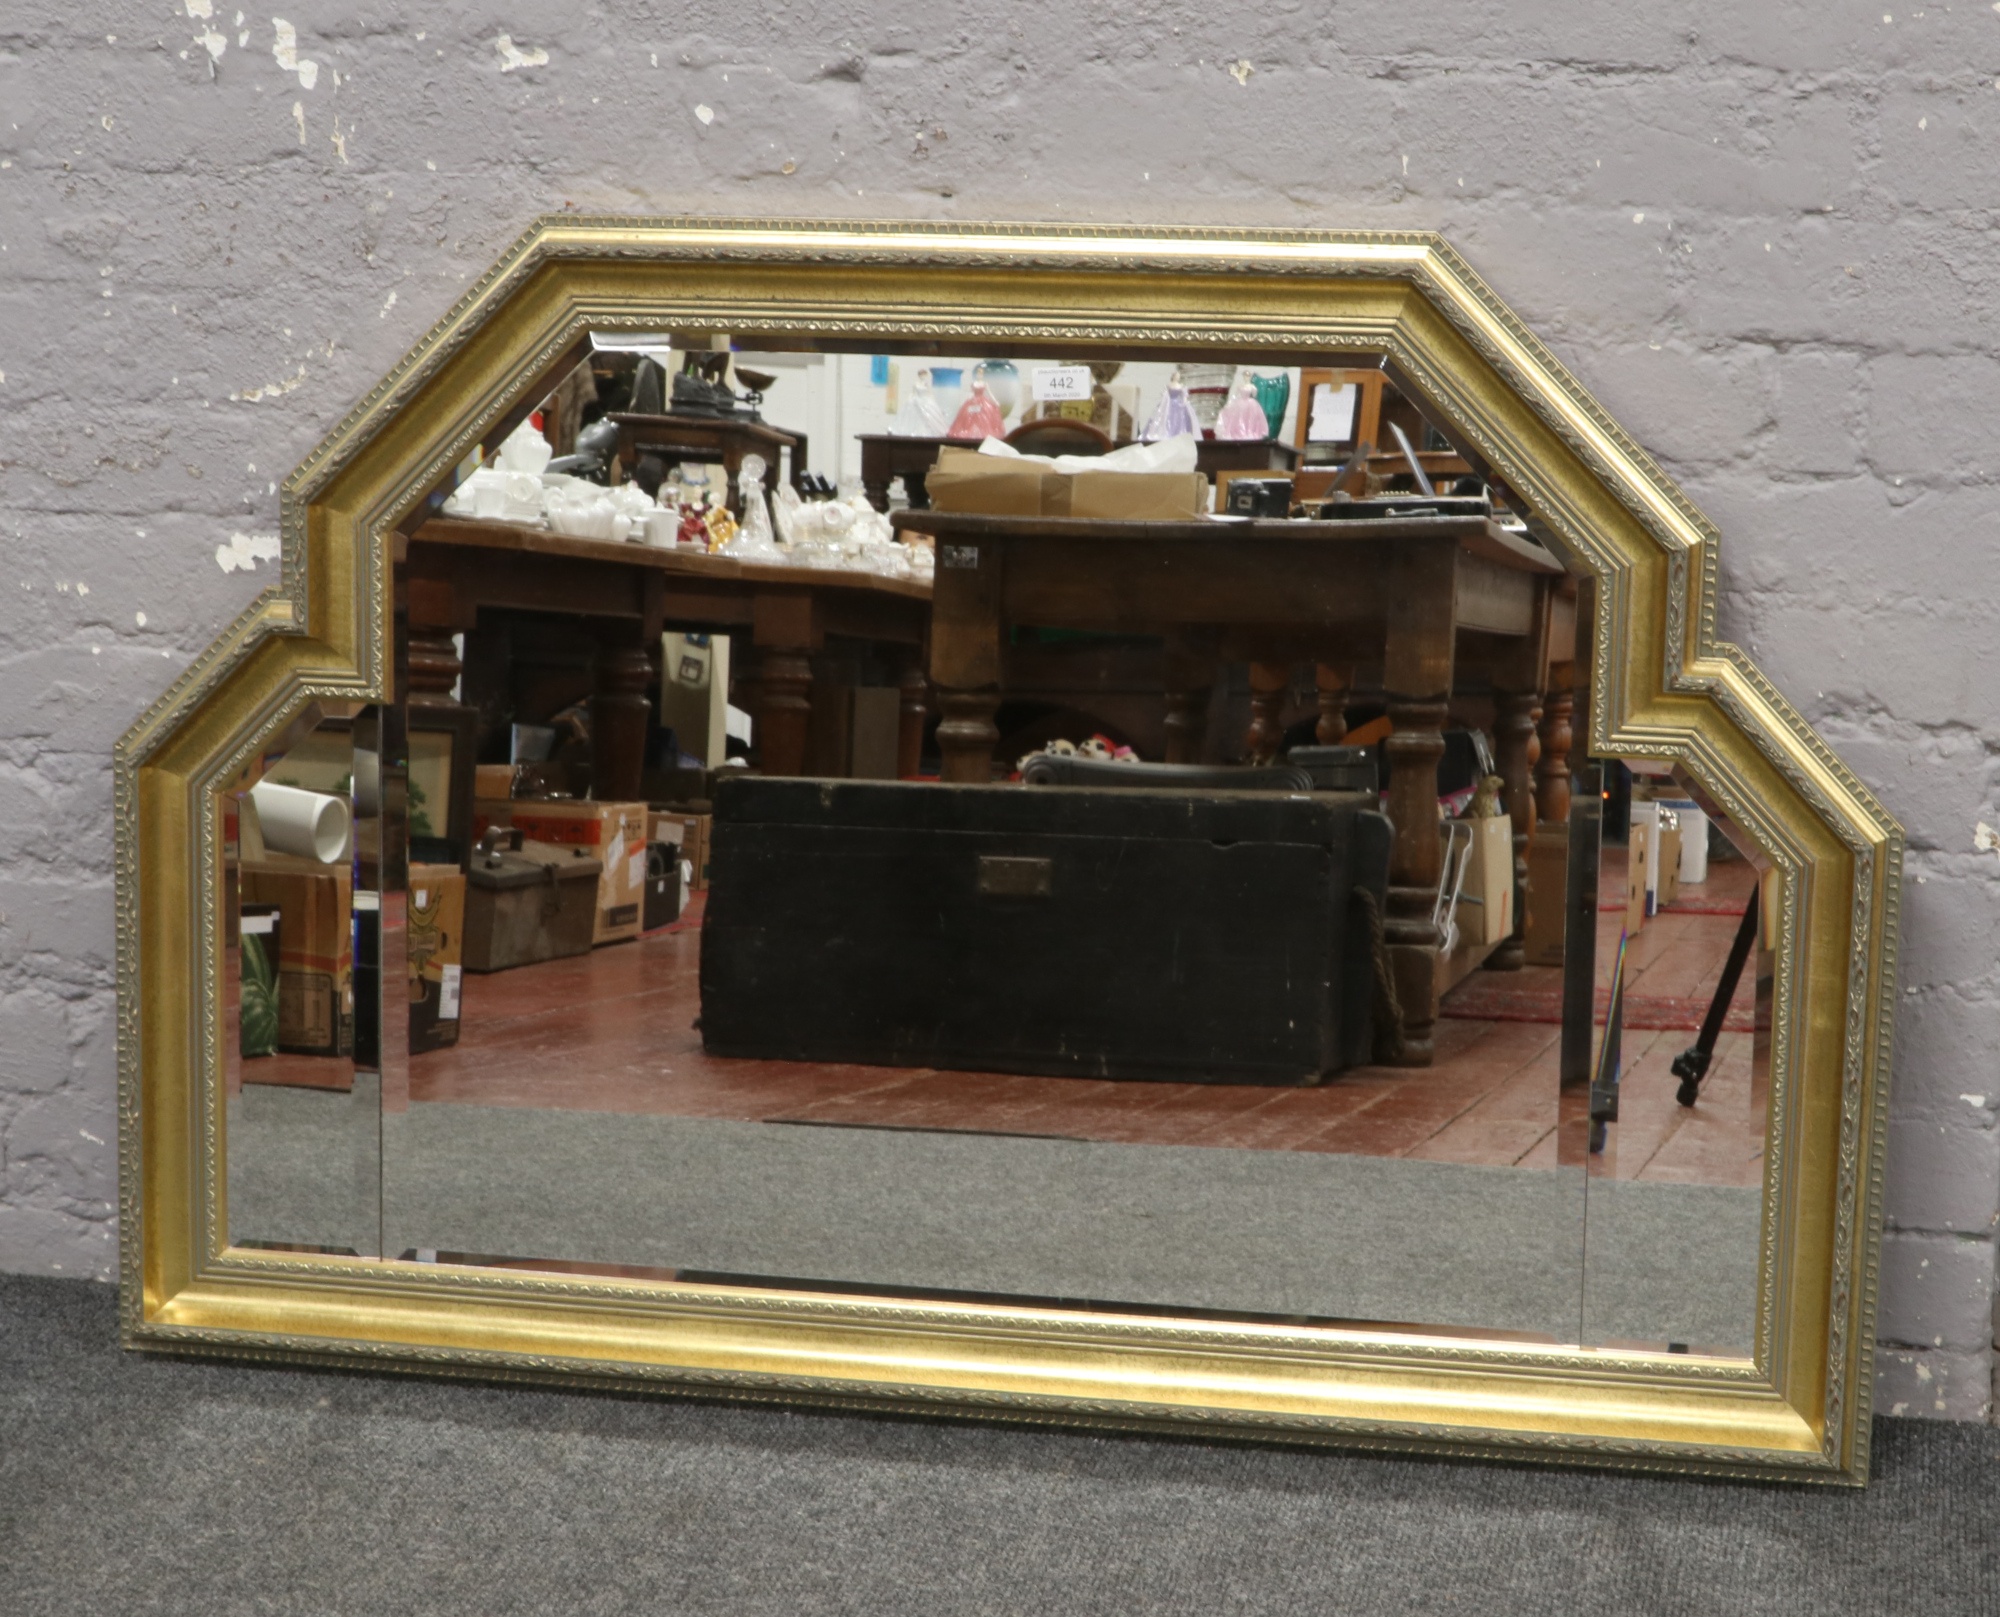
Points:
(967, 735)
(785, 636)
(1519, 747)
(966, 666)
(1552, 789)
(1417, 674)
(784, 708)
(1416, 860)
(1270, 685)
(620, 712)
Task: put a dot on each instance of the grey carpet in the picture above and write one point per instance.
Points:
(1273, 1232)
(132, 1484)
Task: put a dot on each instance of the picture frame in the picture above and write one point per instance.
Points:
(1667, 686)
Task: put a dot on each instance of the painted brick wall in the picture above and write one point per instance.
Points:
(1767, 237)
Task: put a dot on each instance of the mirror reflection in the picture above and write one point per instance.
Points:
(1107, 832)
(299, 996)
(1678, 1087)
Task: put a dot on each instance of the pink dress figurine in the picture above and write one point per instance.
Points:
(1173, 416)
(979, 416)
(1243, 417)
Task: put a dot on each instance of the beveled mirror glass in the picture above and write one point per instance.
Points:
(1144, 829)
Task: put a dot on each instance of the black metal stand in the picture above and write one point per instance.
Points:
(1604, 1083)
(1691, 1065)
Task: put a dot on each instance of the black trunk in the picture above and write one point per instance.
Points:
(1189, 936)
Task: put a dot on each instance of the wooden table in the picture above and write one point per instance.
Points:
(631, 593)
(886, 456)
(1421, 596)
(706, 440)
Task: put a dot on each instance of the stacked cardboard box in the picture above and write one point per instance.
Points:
(315, 949)
(1002, 485)
(690, 829)
(1490, 879)
(613, 833)
(436, 949)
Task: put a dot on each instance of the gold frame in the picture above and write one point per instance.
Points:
(1665, 687)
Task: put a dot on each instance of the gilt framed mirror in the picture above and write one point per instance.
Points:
(1142, 829)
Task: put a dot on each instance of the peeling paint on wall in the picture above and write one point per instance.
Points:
(285, 49)
(245, 550)
(512, 56)
(270, 390)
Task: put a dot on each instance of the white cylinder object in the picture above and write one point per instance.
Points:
(310, 825)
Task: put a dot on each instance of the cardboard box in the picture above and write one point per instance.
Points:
(492, 780)
(436, 951)
(1000, 485)
(1667, 870)
(1638, 854)
(1663, 851)
(1548, 886)
(1131, 496)
(691, 832)
(315, 949)
(1490, 880)
(613, 833)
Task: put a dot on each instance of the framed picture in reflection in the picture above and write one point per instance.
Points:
(440, 786)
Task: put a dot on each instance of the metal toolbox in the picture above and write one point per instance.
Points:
(524, 907)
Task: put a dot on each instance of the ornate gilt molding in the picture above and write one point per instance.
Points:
(1674, 691)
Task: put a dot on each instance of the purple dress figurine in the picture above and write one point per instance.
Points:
(1173, 417)
(1243, 417)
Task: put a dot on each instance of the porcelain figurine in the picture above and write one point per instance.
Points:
(1173, 416)
(525, 450)
(721, 527)
(978, 416)
(1242, 418)
(921, 415)
(1485, 804)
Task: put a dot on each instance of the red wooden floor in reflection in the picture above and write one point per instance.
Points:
(614, 1031)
